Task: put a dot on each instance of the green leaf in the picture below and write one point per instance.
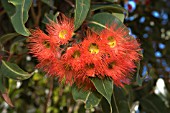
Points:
(49, 3)
(154, 103)
(79, 94)
(81, 11)
(105, 106)
(114, 8)
(15, 46)
(93, 100)
(104, 87)
(26, 8)
(13, 71)
(111, 0)
(139, 79)
(9, 8)
(119, 101)
(120, 16)
(90, 98)
(7, 37)
(103, 20)
(18, 13)
(50, 17)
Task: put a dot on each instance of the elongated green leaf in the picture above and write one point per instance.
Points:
(18, 13)
(104, 87)
(14, 48)
(9, 8)
(111, 0)
(50, 17)
(49, 3)
(105, 106)
(120, 16)
(7, 37)
(79, 94)
(90, 98)
(13, 71)
(26, 8)
(115, 8)
(154, 103)
(93, 100)
(82, 8)
(119, 101)
(139, 79)
(103, 20)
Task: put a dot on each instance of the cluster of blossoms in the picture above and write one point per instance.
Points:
(111, 53)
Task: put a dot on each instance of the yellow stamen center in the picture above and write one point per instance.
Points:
(112, 41)
(76, 54)
(67, 67)
(62, 34)
(93, 48)
(46, 44)
(111, 65)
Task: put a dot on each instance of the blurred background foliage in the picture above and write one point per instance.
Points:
(148, 21)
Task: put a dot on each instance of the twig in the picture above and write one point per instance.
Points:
(36, 17)
(10, 56)
(49, 95)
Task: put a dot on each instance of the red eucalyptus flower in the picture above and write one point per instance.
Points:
(73, 57)
(62, 31)
(63, 71)
(122, 53)
(93, 50)
(42, 46)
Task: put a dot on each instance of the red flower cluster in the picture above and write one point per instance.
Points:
(112, 53)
